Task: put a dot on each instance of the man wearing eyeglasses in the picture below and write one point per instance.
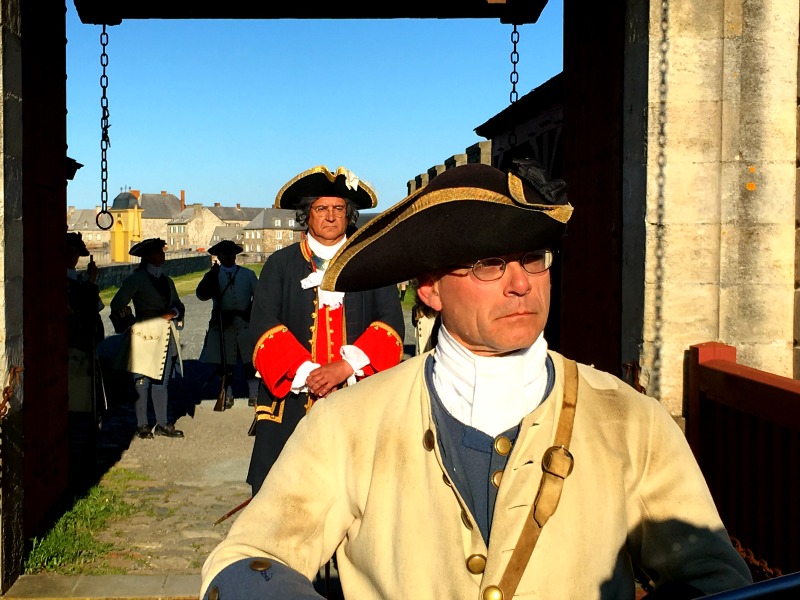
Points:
(310, 342)
(491, 467)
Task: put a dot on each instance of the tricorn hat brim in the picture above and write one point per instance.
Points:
(145, 247)
(225, 247)
(319, 181)
(75, 240)
(467, 213)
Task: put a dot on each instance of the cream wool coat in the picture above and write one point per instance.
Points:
(356, 469)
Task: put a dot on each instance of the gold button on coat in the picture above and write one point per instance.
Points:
(465, 519)
(502, 445)
(476, 563)
(492, 593)
(260, 564)
(497, 476)
(428, 440)
(213, 593)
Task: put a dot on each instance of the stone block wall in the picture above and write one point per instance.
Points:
(479, 152)
(796, 337)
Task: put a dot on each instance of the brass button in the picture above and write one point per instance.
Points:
(260, 564)
(492, 593)
(497, 476)
(446, 479)
(476, 563)
(213, 593)
(502, 445)
(465, 519)
(428, 440)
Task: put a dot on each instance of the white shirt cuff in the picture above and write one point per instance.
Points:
(299, 383)
(357, 359)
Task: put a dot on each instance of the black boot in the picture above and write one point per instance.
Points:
(144, 432)
(168, 431)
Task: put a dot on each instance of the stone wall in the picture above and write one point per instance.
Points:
(720, 218)
(479, 152)
(113, 275)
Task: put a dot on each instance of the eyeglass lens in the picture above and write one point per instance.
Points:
(489, 269)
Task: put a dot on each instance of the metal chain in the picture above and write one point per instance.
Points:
(514, 96)
(660, 210)
(104, 141)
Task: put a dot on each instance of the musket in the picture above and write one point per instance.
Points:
(233, 511)
(220, 404)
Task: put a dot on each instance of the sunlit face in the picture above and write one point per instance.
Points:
(491, 318)
(327, 220)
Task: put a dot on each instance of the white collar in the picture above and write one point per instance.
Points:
(326, 298)
(324, 252)
(489, 393)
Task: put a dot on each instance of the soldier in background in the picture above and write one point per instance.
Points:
(309, 342)
(228, 341)
(84, 331)
(152, 349)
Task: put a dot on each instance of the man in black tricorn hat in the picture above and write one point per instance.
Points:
(152, 349)
(308, 341)
(228, 341)
(491, 467)
(84, 326)
(84, 331)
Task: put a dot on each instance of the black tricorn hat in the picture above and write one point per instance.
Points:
(319, 181)
(145, 247)
(225, 247)
(75, 240)
(467, 213)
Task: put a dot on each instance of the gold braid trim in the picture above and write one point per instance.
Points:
(390, 332)
(269, 333)
(270, 412)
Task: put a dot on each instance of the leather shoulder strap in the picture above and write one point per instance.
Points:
(557, 464)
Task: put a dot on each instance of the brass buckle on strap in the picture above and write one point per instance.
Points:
(558, 461)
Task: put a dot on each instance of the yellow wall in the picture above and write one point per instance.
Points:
(127, 230)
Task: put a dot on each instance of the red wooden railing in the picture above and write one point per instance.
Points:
(743, 426)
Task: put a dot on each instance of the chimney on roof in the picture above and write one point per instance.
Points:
(183, 199)
(238, 206)
(217, 205)
(136, 193)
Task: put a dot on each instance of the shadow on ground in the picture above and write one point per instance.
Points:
(97, 444)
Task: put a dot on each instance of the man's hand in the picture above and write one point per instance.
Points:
(327, 378)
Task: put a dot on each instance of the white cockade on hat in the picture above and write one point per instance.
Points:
(350, 180)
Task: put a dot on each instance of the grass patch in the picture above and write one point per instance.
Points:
(184, 284)
(72, 543)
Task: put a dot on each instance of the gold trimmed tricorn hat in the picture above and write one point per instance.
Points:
(319, 181)
(144, 247)
(225, 247)
(467, 213)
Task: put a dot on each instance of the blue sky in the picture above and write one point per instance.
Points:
(230, 110)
